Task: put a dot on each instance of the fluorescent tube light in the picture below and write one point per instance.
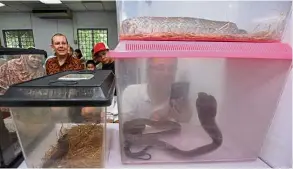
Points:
(51, 1)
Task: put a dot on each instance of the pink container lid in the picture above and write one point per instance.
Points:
(241, 50)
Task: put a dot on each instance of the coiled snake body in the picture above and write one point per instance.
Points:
(133, 132)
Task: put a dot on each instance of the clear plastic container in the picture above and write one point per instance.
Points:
(257, 21)
(197, 101)
(60, 119)
(16, 65)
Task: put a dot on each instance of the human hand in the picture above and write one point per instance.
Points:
(92, 114)
(57, 109)
(181, 109)
(179, 105)
(161, 112)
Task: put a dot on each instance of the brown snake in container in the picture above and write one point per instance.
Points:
(63, 146)
(133, 132)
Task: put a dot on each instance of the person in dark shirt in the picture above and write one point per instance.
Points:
(97, 63)
(101, 54)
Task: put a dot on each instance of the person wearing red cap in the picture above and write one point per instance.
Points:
(101, 54)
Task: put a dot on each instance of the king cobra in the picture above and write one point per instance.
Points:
(206, 106)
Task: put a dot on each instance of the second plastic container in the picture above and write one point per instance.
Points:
(197, 101)
(253, 21)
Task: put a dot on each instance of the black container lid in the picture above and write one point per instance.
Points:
(63, 89)
(17, 51)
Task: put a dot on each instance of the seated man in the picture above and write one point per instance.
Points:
(153, 100)
(63, 60)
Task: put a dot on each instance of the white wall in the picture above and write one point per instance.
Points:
(43, 29)
(277, 149)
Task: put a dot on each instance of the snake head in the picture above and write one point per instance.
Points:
(134, 127)
(206, 106)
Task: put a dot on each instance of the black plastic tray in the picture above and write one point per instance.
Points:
(49, 91)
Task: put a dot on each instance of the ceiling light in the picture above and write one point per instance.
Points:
(51, 1)
(1, 4)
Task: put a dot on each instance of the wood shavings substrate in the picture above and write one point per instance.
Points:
(84, 148)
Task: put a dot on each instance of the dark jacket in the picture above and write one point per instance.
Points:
(110, 66)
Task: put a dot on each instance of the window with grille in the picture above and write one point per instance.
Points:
(87, 38)
(18, 38)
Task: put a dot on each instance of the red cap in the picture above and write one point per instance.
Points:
(100, 47)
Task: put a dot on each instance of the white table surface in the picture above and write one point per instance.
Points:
(114, 160)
